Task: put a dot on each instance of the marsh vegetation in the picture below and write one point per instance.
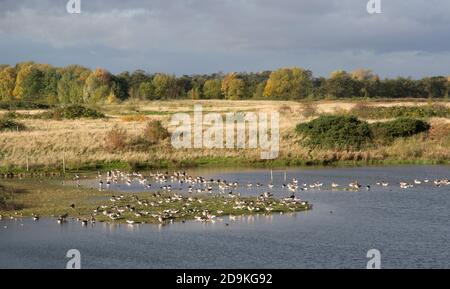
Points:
(130, 138)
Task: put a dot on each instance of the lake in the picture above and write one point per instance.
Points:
(410, 227)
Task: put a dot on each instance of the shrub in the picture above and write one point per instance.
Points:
(400, 127)
(8, 124)
(116, 140)
(12, 105)
(73, 112)
(379, 112)
(154, 132)
(335, 132)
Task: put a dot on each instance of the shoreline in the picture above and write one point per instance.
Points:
(204, 163)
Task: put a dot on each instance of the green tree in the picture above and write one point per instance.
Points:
(212, 89)
(341, 84)
(166, 86)
(146, 90)
(435, 87)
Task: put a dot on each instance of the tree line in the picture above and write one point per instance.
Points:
(43, 83)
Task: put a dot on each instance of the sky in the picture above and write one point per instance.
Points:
(409, 37)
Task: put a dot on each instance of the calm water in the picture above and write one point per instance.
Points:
(410, 227)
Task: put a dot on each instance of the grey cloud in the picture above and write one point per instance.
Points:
(243, 34)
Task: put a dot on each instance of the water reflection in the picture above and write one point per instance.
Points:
(409, 226)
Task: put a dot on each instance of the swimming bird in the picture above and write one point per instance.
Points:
(355, 185)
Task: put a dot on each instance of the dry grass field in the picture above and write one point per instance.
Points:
(81, 143)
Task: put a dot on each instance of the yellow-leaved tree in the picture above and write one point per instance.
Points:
(7, 83)
(233, 87)
(289, 83)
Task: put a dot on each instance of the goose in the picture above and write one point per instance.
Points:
(61, 220)
(416, 181)
(404, 185)
(334, 185)
(355, 185)
(35, 217)
(267, 195)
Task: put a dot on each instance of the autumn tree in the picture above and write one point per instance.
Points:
(233, 88)
(195, 93)
(97, 86)
(289, 83)
(23, 71)
(7, 83)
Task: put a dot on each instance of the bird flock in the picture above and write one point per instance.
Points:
(180, 196)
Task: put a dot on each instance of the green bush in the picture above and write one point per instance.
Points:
(380, 112)
(12, 105)
(400, 127)
(335, 132)
(8, 124)
(72, 112)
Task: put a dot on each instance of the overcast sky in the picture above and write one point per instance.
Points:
(409, 38)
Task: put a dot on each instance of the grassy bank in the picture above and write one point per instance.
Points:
(80, 144)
